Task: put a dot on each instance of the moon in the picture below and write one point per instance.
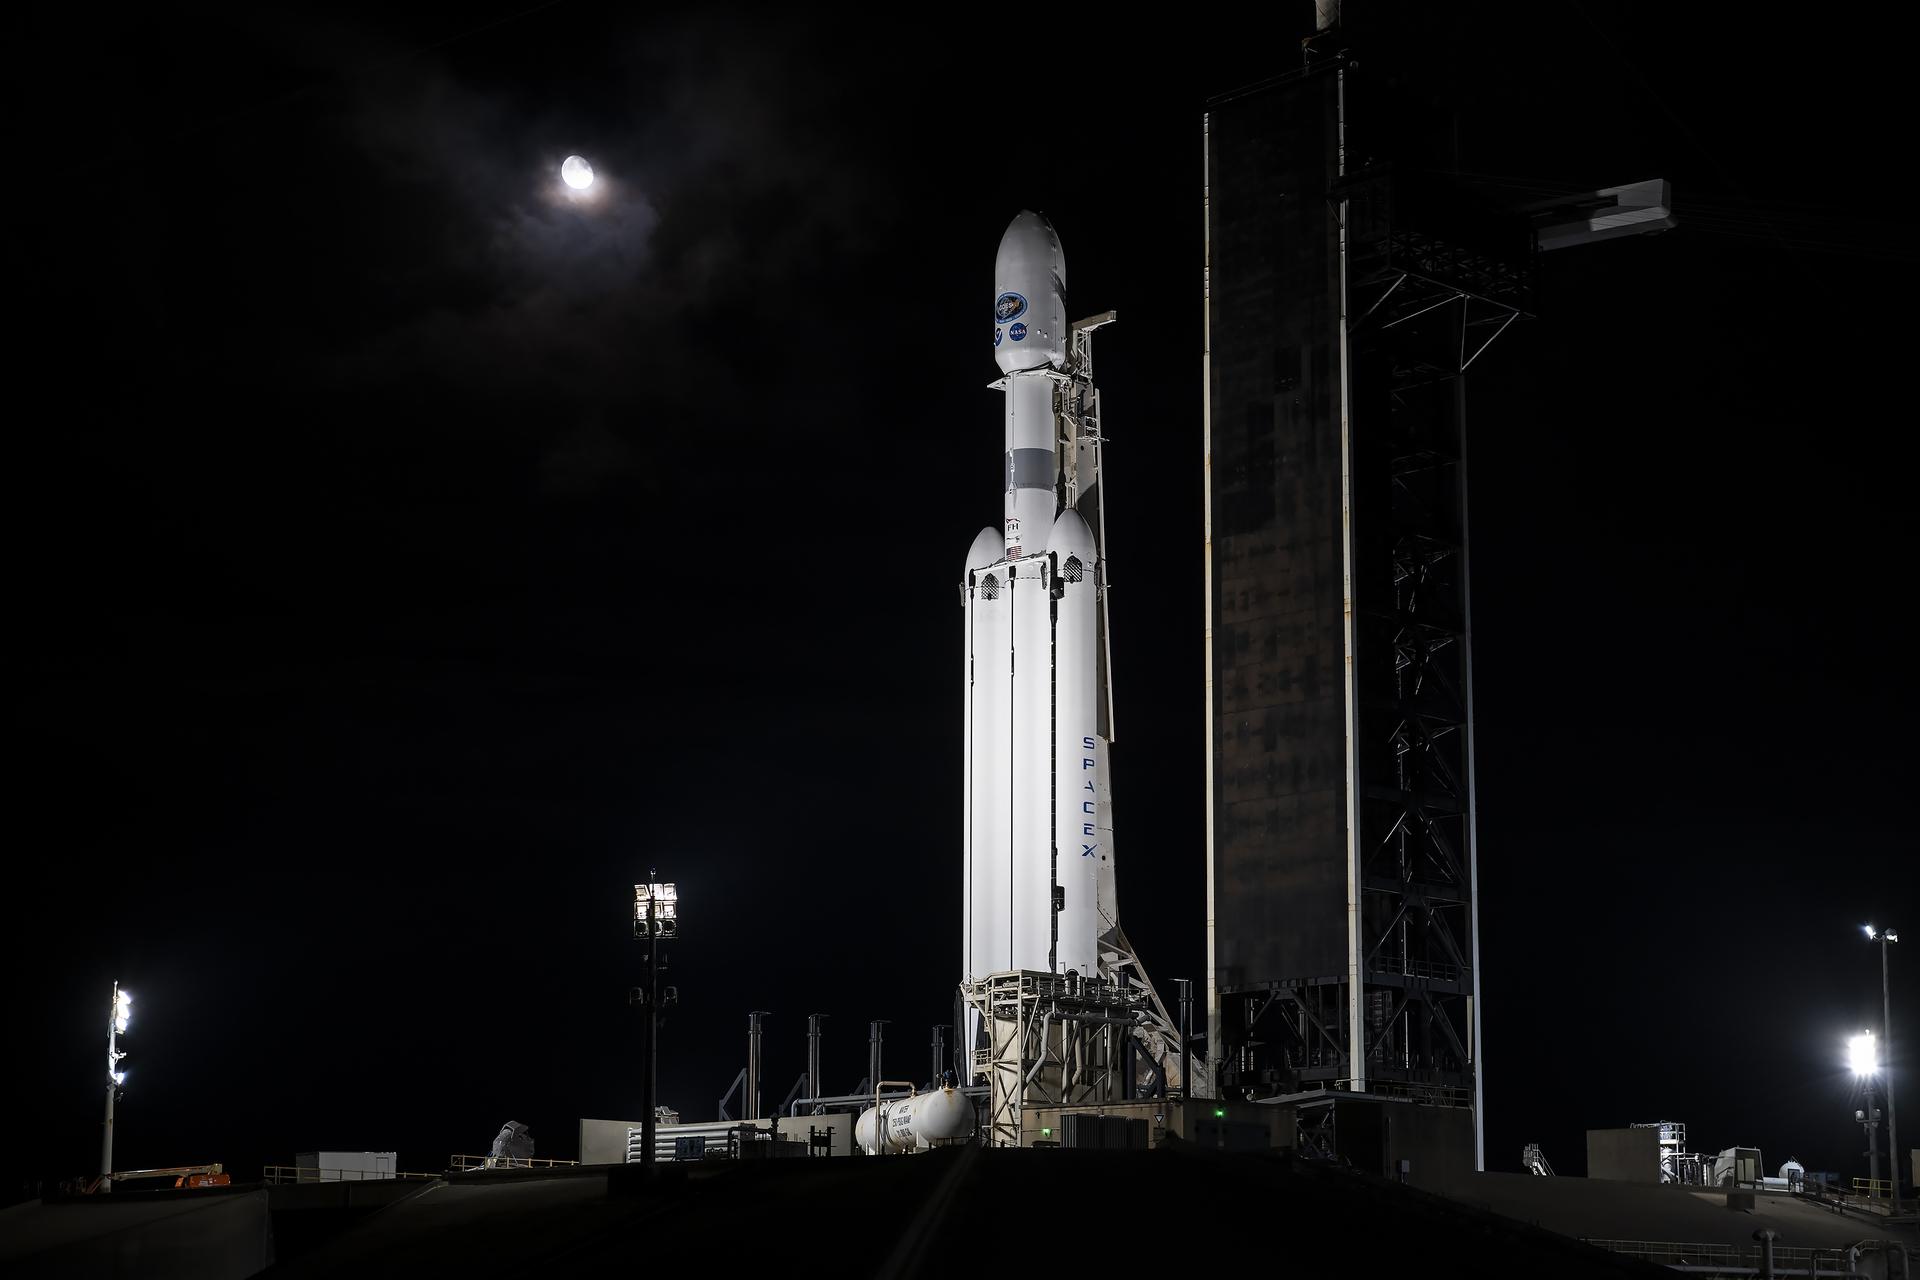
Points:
(576, 173)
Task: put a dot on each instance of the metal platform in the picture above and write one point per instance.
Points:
(1051, 1040)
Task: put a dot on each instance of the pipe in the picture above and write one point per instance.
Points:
(753, 1063)
(813, 1054)
(1185, 987)
(1894, 1152)
(874, 1038)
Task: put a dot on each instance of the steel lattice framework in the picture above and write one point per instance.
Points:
(1053, 1040)
(1346, 305)
(1424, 311)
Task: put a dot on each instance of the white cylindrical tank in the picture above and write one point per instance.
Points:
(1032, 465)
(989, 765)
(1076, 718)
(983, 554)
(916, 1123)
(1030, 869)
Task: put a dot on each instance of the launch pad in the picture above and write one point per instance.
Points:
(1052, 1041)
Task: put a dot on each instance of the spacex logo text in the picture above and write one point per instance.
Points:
(1087, 805)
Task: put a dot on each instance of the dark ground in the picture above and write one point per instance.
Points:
(945, 1213)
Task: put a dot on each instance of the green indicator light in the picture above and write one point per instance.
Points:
(1046, 1133)
(1218, 1112)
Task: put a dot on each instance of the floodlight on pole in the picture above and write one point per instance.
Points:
(1886, 937)
(656, 910)
(119, 1015)
(656, 916)
(1860, 1054)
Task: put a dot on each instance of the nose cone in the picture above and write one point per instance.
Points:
(1029, 296)
(1030, 244)
(1071, 537)
(989, 547)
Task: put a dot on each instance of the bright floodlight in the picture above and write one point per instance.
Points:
(122, 1010)
(1860, 1054)
(1871, 935)
(576, 173)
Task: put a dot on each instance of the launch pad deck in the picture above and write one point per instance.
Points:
(907, 1215)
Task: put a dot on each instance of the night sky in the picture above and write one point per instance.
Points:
(406, 558)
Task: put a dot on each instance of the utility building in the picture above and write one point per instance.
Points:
(1349, 291)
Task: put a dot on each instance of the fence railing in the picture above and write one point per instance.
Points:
(464, 1164)
(282, 1174)
(1703, 1257)
(1873, 1186)
(1411, 968)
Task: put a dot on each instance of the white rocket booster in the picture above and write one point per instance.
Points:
(1035, 792)
(1040, 891)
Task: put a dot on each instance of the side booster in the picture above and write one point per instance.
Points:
(1035, 793)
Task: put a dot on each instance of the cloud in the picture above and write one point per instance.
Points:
(464, 274)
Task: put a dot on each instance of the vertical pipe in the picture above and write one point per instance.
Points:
(753, 1063)
(648, 1124)
(965, 1038)
(1475, 1043)
(939, 1055)
(813, 1056)
(1185, 986)
(1886, 1039)
(113, 1058)
(106, 1144)
(1356, 969)
(874, 1036)
(1215, 1050)
(1873, 1144)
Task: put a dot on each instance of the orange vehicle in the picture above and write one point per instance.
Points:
(186, 1175)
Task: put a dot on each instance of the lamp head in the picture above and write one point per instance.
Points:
(1860, 1054)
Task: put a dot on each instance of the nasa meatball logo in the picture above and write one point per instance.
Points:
(1018, 333)
(996, 335)
(1008, 306)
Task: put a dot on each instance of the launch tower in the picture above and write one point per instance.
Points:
(1347, 298)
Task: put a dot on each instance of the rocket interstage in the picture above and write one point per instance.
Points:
(1036, 795)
